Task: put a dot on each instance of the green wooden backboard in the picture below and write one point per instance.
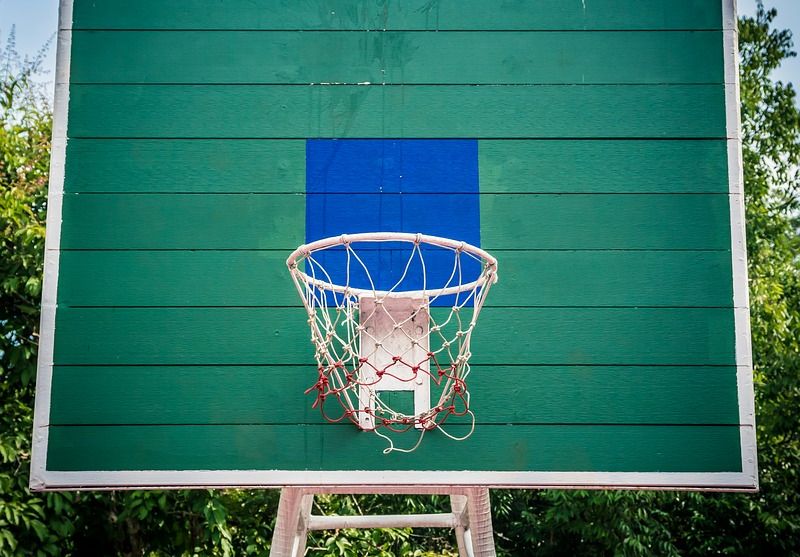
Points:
(592, 147)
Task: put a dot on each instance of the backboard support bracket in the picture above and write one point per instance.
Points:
(390, 325)
(471, 518)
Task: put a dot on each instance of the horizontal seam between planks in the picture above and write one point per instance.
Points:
(481, 138)
(725, 193)
(345, 425)
(409, 138)
(385, 30)
(114, 365)
(384, 84)
(211, 192)
(314, 365)
(246, 365)
(290, 249)
(357, 84)
(488, 305)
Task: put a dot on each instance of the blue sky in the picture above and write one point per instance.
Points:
(36, 21)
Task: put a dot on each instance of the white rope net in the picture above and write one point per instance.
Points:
(392, 312)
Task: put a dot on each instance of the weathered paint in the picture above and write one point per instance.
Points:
(414, 14)
(672, 278)
(236, 395)
(606, 191)
(505, 166)
(377, 111)
(303, 57)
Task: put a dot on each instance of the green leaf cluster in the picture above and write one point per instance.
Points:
(421, 542)
(29, 524)
(766, 523)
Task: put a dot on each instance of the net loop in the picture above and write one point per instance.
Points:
(388, 312)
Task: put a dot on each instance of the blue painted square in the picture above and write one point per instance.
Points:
(397, 185)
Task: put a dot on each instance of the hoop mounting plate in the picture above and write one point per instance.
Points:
(392, 328)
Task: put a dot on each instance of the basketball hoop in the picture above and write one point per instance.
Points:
(384, 319)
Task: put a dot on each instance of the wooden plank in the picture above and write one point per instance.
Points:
(183, 221)
(412, 14)
(613, 278)
(174, 221)
(175, 278)
(613, 336)
(182, 336)
(605, 221)
(544, 336)
(303, 57)
(286, 111)
(324, 447)
(260, 278)
(245, 395)
(242, 166)
(629, 166)
(506, 166)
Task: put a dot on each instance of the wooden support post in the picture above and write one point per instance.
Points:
(471, 517)
(458, 503)
(479, 508)
(291, 525)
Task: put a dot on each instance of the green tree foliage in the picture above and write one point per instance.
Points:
(767, 523)
(124, 523)
(26, 522)
(235, 522)
(771, 139)
(382, 543)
